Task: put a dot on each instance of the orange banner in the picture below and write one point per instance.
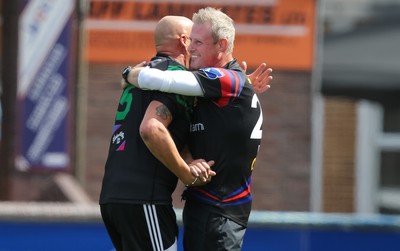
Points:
(278, 32)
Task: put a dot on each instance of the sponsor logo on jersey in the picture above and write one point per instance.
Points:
(118, 138)
(196, 127)
(213, 73)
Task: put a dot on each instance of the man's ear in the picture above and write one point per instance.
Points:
(184, 40)
(223, 44)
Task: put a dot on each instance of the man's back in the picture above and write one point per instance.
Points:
(132, 173)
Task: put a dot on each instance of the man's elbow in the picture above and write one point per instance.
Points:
(149, 129)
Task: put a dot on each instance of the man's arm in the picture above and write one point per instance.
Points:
(179, 82)
(157, 138)
(184, 82)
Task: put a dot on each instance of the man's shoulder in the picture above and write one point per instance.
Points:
(164, 63)
(217, 72)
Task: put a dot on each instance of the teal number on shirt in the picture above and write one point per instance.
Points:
(126, 99)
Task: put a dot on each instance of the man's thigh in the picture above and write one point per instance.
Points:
(207, 231)
(140, 227)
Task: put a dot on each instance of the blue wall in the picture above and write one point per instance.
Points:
(280, 234)
(320, 240)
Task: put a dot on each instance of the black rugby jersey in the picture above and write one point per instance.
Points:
(132, 173)
(226, 127)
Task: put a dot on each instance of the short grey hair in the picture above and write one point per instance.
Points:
(222, 26)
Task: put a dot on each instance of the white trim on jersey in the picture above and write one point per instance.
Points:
(179, 82)
(153, 227)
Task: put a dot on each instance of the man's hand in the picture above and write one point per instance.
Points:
(201, 171)
(125, 82)
(260, 78)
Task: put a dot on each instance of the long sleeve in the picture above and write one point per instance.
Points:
(179, 82)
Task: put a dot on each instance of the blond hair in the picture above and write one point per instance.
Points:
(222, 26)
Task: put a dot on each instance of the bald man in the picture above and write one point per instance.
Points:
(135, 200)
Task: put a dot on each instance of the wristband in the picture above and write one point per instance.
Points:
(125, 74)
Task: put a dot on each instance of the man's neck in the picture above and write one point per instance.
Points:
(224, 61)
(180, 58)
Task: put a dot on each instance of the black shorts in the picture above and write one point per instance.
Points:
(204, 230)
(139, 227)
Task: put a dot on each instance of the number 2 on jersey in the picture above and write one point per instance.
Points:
(257, 132)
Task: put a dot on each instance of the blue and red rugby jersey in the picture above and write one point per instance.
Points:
(226, 127)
